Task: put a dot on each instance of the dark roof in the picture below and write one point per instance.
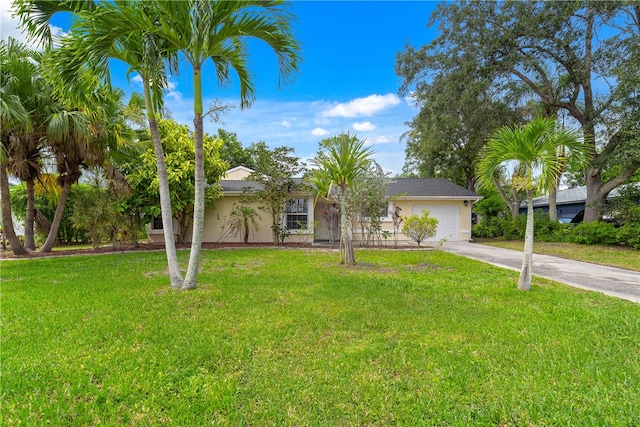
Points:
(429, 187)
(237, 185)
(410, 187)
(569, 196)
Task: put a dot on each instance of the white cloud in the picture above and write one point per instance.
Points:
(363, 106)
(285, 123)
(364, 126)
(10, 26)
(319, 132)
(380, 139)
(321, 121)
(137, 79)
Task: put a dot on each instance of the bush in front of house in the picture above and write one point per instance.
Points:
(591, 233)
(420, 228)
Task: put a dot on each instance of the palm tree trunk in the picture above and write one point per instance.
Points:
(553, 207)
(347, 256)
(165, 199)
(7, 220)
(29, 241)
(191, 277)
(524, 282)
(57, 217)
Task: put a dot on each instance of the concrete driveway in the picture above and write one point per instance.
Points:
(608, 280)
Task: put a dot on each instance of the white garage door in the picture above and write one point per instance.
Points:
(448, 221)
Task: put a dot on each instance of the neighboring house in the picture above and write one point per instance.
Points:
(446, 201)
(568, 202)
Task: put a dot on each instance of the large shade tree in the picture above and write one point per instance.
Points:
(458, 110)
(577, 57)
(342, 160)
(533, 148)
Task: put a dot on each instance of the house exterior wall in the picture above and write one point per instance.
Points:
(156, 235)
(216, 222)
(238, 173)
(409, 205)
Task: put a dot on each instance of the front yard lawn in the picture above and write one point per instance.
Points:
(614, 256)
(290, 337)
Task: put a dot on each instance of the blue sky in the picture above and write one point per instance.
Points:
(346, 81)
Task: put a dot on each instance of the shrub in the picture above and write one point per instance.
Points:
(489, 227)
(546, 230)
(420, 228)
(591, 233)
(629, 235)
(514, 229)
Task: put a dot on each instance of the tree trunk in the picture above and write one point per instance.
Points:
(514, 206)
(347, 255)
(57, 217)
(29, 240)
(553, 208)
(191, 277)
(524, 282)
(7, 219)
(165, 198)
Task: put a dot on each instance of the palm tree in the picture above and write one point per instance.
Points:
(35, 15)
(16, 74)
(118, 31)
(343, 159)
(83, 134)
(220, 30)
(243, 219)
(535, 149)
(25, 147)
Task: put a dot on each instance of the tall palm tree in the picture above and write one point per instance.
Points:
(220, 30)
(83, 133)
(16, 73)
(343, 159)
(120, 30)
(536, 149)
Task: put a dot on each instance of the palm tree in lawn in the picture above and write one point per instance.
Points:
(342, 160)
(539, 151)
(119, 31)
(220, 30)
(16, 76)
(26, 148)
(82, 133)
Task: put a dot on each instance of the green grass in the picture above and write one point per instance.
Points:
(614, 256)
(289, 337)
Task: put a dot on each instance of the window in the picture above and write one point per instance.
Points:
(297, 215)
(156, 224)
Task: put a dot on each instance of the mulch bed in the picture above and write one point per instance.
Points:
(139, 248)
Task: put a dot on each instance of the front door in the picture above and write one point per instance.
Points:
(328, 224)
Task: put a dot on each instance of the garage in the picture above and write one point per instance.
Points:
(448, 220)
